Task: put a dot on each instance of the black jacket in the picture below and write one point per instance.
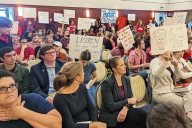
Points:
(112, 101)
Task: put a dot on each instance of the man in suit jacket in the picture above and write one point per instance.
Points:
(41, 75)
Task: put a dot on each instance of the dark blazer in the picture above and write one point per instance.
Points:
(112, 101)
(39, 79)
(108, 45)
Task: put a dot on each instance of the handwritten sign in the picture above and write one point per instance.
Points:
(69, 13)
(29, 12)
(131, 17)
(14, 29)
(80, 43)
(108, 16)
(57, 15)
(171, 21)
(43, 17)
(85, 23)
(172, 38)
(126, 37)
(181, 15)
(64, 20)
(122, 22)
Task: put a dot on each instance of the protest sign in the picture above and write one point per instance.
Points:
(171, 21)
(69, 13)
(126, 37)
(172, 38)
(181, 15)
(57, 15)
(64, 20)
(122, 22)
(14, 29)
(85, 23)
(29, 12)
(108, 16)
(43, 17)
(131, 17)
(80, 43)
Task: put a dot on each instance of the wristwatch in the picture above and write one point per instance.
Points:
(128, 106)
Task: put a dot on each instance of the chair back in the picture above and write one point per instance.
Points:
(33, 62)
(98, 97)
(101, 71)
(105, 54)
(189, 64)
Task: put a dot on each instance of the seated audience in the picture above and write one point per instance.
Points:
(117, 99)
(28, 36)
(72, 99)
(163, 72)
(90, 75)
(8, 57)
(49, 40)
(20, 110)
(117, 51)
(41, 75)
(34, 43)
(15, 40)
(137, 59)
(167, 115)
(187, 53)
(42, 42)
(110, 44)
(65, 41)
(57, 36)
(24, 51)
(50, 33)
(59, 55)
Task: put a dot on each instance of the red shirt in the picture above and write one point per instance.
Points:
(187, 55)
(72, 28)
(28, 51)
(140, 29)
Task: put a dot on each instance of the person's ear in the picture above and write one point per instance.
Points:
(114, 70)
(42, 56)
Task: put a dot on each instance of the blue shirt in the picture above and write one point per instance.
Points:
(88, 70)
(33, 102)
(51, 74)
(190, 24)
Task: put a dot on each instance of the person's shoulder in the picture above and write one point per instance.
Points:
(32, 97)
(37, 66)
(61, 63)
(91, 64)
(21, 67)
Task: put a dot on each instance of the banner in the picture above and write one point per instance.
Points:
(126, 37)
(131, 17)
(29, 12)
(172, 38)
(122, 22)
(85, 23)
(80, 43)
(14, 29)
(108, 16)
(181, 16)
(171, 21)
(64, 20)
(69, 13)
(57, 15)
(43, 17)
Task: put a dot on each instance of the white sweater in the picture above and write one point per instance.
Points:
(160, 77)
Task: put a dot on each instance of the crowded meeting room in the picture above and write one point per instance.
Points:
(96, 64)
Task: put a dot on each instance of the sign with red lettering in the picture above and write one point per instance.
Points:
(126, 37)
(69, 13)
(122, 22)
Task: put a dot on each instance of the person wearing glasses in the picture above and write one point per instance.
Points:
(41, 75)
(8, 57)
(24, 51)
(26, 110)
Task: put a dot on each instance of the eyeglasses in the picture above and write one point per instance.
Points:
(50, 53)
(12, 87)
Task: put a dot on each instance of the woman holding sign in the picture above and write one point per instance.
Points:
(163, 71)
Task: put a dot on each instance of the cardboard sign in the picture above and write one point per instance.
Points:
(69, 13)
(14, 29)
(57, 15)
(122, 22)
(64, 20)
(80, 43)
(172, 38)
(181, 16)
(126, 37)
(29, 12)
(131, 17)
(108, 16)
(43, 17)
(171, 21)
(85, 23)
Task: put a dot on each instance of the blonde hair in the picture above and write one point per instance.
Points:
(138, 23)
(67, 75)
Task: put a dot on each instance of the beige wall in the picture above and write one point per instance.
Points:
(179, 5)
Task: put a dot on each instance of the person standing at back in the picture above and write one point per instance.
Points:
(65, 41)
(140, 28)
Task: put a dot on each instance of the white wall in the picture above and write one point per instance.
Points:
(179, 5)
(112, 4)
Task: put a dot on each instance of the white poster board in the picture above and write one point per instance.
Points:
(181, 15)
(131, 17)
(80, 43)
(85, 23)
(172, 38)
(69, 13)
(14, 29)
(64, 20)
(108, 16)
(126, 37)
(171, 21)
(57, 15)
(29, 12)
(43, 17)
